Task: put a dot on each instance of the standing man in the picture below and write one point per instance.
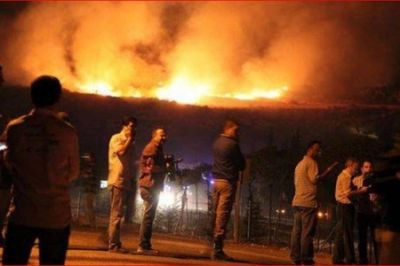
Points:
(228, 162)
(306, 177)
(43, 156)
(366, 217)
(151, 182)
(343, 251)
(120, 175)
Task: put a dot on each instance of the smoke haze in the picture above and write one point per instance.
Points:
(205, 49)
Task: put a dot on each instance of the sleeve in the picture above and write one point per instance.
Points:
(343, 187)
(74, 161)
(147, 159)
(312, 172)
(115, 145)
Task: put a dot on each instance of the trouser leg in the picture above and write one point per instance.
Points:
(309, 225)
(224, 195)
(362, 224)
(53, 245)
(338, 249)
(116, 213)
(150, 202)
(18, 244)
(130, 206)
(295, 240)
(372, 227)
(348, 237)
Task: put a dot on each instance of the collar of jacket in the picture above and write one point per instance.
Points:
(43, 111)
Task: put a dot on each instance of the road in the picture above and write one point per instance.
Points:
(88, 247)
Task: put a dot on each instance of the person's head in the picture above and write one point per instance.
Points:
(352, 165)
(314, 149)
(367, 167)
(129, 124)
(159, 135)
(231, 128)
(45, 91)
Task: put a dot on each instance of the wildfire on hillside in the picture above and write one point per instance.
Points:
(194, 52)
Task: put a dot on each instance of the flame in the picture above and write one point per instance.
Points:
(98, 87)
(182, 90)
(271, 94)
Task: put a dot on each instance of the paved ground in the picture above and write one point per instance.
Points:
(88, 246)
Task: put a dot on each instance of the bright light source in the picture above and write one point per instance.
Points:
(166, 199)
(283, 211)
(99, 87)
(3, 146)
(183, 90)
(103, 183)
(320, 214)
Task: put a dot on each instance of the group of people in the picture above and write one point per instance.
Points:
(228, 162)
(42, 160)
(359, 197)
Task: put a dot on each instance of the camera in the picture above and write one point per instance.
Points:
(171, 165)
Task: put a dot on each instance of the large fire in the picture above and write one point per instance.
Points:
(213, 55)
(183, 90)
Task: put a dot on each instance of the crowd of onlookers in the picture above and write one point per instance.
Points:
(364, 197)
(40, 158)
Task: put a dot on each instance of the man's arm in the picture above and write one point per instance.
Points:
(312, 171)
(328, 170)
(120, 148)
(148, 158)
(359, 191)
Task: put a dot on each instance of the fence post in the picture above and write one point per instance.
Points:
(236, 221)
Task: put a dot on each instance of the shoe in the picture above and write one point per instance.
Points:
(220, 255)
(120, 250)
(146, 251)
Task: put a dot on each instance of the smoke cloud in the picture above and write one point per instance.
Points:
(205, 49)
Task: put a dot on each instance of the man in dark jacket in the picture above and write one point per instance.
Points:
(388, 232)
(228, 162)
(151, 182)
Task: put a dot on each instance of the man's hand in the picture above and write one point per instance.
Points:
(329, 169)
(363, 190)
(373, 197)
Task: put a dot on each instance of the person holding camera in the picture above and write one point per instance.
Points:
(120, 175)
(151, 182)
